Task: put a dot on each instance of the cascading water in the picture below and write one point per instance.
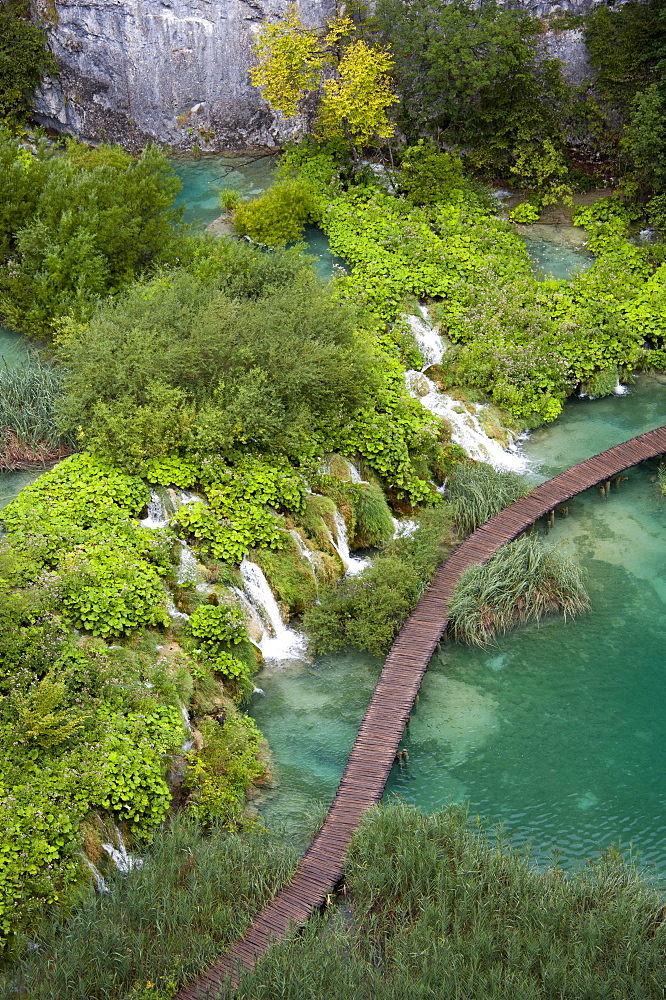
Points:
(158, 515)
(100, 884)
(188, 567)
(278, 641)
(305, 552)
(428, 339)
(404, 528)
(466, 427)
(352, 564)
(122, 859)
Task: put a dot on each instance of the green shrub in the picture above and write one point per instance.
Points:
(222, 771)
(76, 227)
(526, 212)
(429, 176)
(216, 626)
(24, 60)
(280, 215)
(478, 492)
(522, 582)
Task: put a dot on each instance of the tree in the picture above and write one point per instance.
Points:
(24, 59)
(347, 78)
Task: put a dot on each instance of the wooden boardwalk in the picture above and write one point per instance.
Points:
(381, 730)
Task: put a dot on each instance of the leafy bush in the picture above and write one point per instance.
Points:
(522, 582)
(478, 492)
(428, 176)
(280, 215)
(526, 212)
(205, 374)
(24, 60)
(222, 771)
(216, 626)
(76, 226)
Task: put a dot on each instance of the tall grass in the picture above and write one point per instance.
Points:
(434, 911)
(522, 582)
(28, 431)
(160, 923)
(477, 492)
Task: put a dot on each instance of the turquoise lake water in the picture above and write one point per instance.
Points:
(558, 731)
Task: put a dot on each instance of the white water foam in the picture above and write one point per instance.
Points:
(188, 567)
(278, 641)
(122, 859)
(466, 428)
(404, 528)
(352, 564)
(158, 515)
(426, 336)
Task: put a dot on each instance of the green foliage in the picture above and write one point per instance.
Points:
(367, 611)
(645, 138)
(24, 60)
(522, 582)
(130, 942)
(205, 373)
(215, 626)
(289, 575)
(467, 73)
(28, 394)
(76, 225)
(280, 215)
(602, 383)
(38, 721)
(229, 198)
(626, 46)
(171, 471)
(237, 516)
(478, 492)
(349, 77)
(443, 910)
(526, 212)
(223, 769)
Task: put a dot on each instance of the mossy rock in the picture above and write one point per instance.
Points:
(317, 519)
(602, 383)
(372, 516)
(289, 575)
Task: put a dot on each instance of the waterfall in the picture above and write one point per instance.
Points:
(158, 515)
(466, 427)
(353, 565)
(429, 341)
(100, 884)
(404, 528)
(174, 614)
(278, 641)
(188, 744)
(305, 552)
(188, 567)
(120, 856)
(620, 390)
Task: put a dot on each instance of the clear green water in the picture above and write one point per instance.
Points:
(203, 177)
(558, 731)
(13, 350)
(556, 258)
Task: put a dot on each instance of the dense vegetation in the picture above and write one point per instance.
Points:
(184, 363)
(24, 60)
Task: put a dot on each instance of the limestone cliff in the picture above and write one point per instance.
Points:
(176, 71)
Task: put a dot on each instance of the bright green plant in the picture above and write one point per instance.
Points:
(229, 199)
(526, 212)
(280, 215)
(214, 626)
(222, 771)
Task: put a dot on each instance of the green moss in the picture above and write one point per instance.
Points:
(290, 577)
(373, 521)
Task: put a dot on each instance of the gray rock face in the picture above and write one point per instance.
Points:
(174, 71)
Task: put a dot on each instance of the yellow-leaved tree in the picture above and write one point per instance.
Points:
(349, 79)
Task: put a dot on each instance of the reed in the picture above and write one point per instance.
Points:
(522, 582)
(434, 909)
(28, 431)
(478, 492)
(158, 924)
